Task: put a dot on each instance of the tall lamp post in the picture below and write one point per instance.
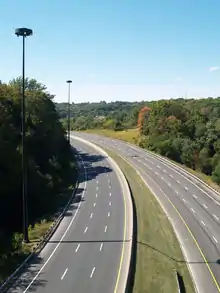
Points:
(69, 82)
(24, 32)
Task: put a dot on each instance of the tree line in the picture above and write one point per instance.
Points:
(184, 130)
(51, 166)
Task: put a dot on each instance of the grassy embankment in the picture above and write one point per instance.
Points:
(9, 263)
(158, 252)
(131, 135)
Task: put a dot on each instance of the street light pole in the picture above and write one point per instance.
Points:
(24, 32)
(69, 82)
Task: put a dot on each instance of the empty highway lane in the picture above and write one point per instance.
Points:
(86, 253)
(193, 208)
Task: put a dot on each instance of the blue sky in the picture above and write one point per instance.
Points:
(115, 49)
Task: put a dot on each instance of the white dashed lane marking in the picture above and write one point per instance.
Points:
(85, 229)
(63, 275)
(215, 239)
(205, 206)
(94, 204)
(93, 270)
(77, 248)
(91, 215)
(110, 194)
(108, 214)
(178, 181)
(217, 218)
(106, 228)
(186, 188)
(195, 196)
(101, 246)
(110, 203)
(203, 223)
(192, 210)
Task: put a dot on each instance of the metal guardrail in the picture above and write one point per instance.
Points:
(37, 248)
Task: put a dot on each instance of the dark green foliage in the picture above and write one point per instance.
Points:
(51, 163)
(187, 131)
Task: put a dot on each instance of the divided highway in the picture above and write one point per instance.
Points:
(193, 209)
(89, 250)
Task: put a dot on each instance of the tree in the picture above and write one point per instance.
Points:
(51, 164)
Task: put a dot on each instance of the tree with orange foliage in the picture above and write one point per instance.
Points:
(143, 114)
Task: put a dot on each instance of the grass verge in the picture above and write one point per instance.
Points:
(131, 135)
(9, 263)
(158, 252)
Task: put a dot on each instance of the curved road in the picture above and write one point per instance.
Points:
(193, 208)
(84, 254)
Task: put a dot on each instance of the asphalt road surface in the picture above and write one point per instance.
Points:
(84, 254)
(194, 209)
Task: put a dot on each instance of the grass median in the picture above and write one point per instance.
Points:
(158, 252)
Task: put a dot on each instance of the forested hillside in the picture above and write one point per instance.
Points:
(51, 163)
(187, 131)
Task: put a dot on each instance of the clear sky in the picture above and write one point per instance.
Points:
(115, 49)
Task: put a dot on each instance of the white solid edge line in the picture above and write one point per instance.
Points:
(64, 234)
(63, 275)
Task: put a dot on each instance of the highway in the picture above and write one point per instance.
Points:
(193, 209)
(85, 254)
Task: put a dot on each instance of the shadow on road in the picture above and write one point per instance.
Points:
(88, 164)
(31, 270)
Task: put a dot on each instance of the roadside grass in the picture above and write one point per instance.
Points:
(131, 135)
(158, 252)
(9, 263)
